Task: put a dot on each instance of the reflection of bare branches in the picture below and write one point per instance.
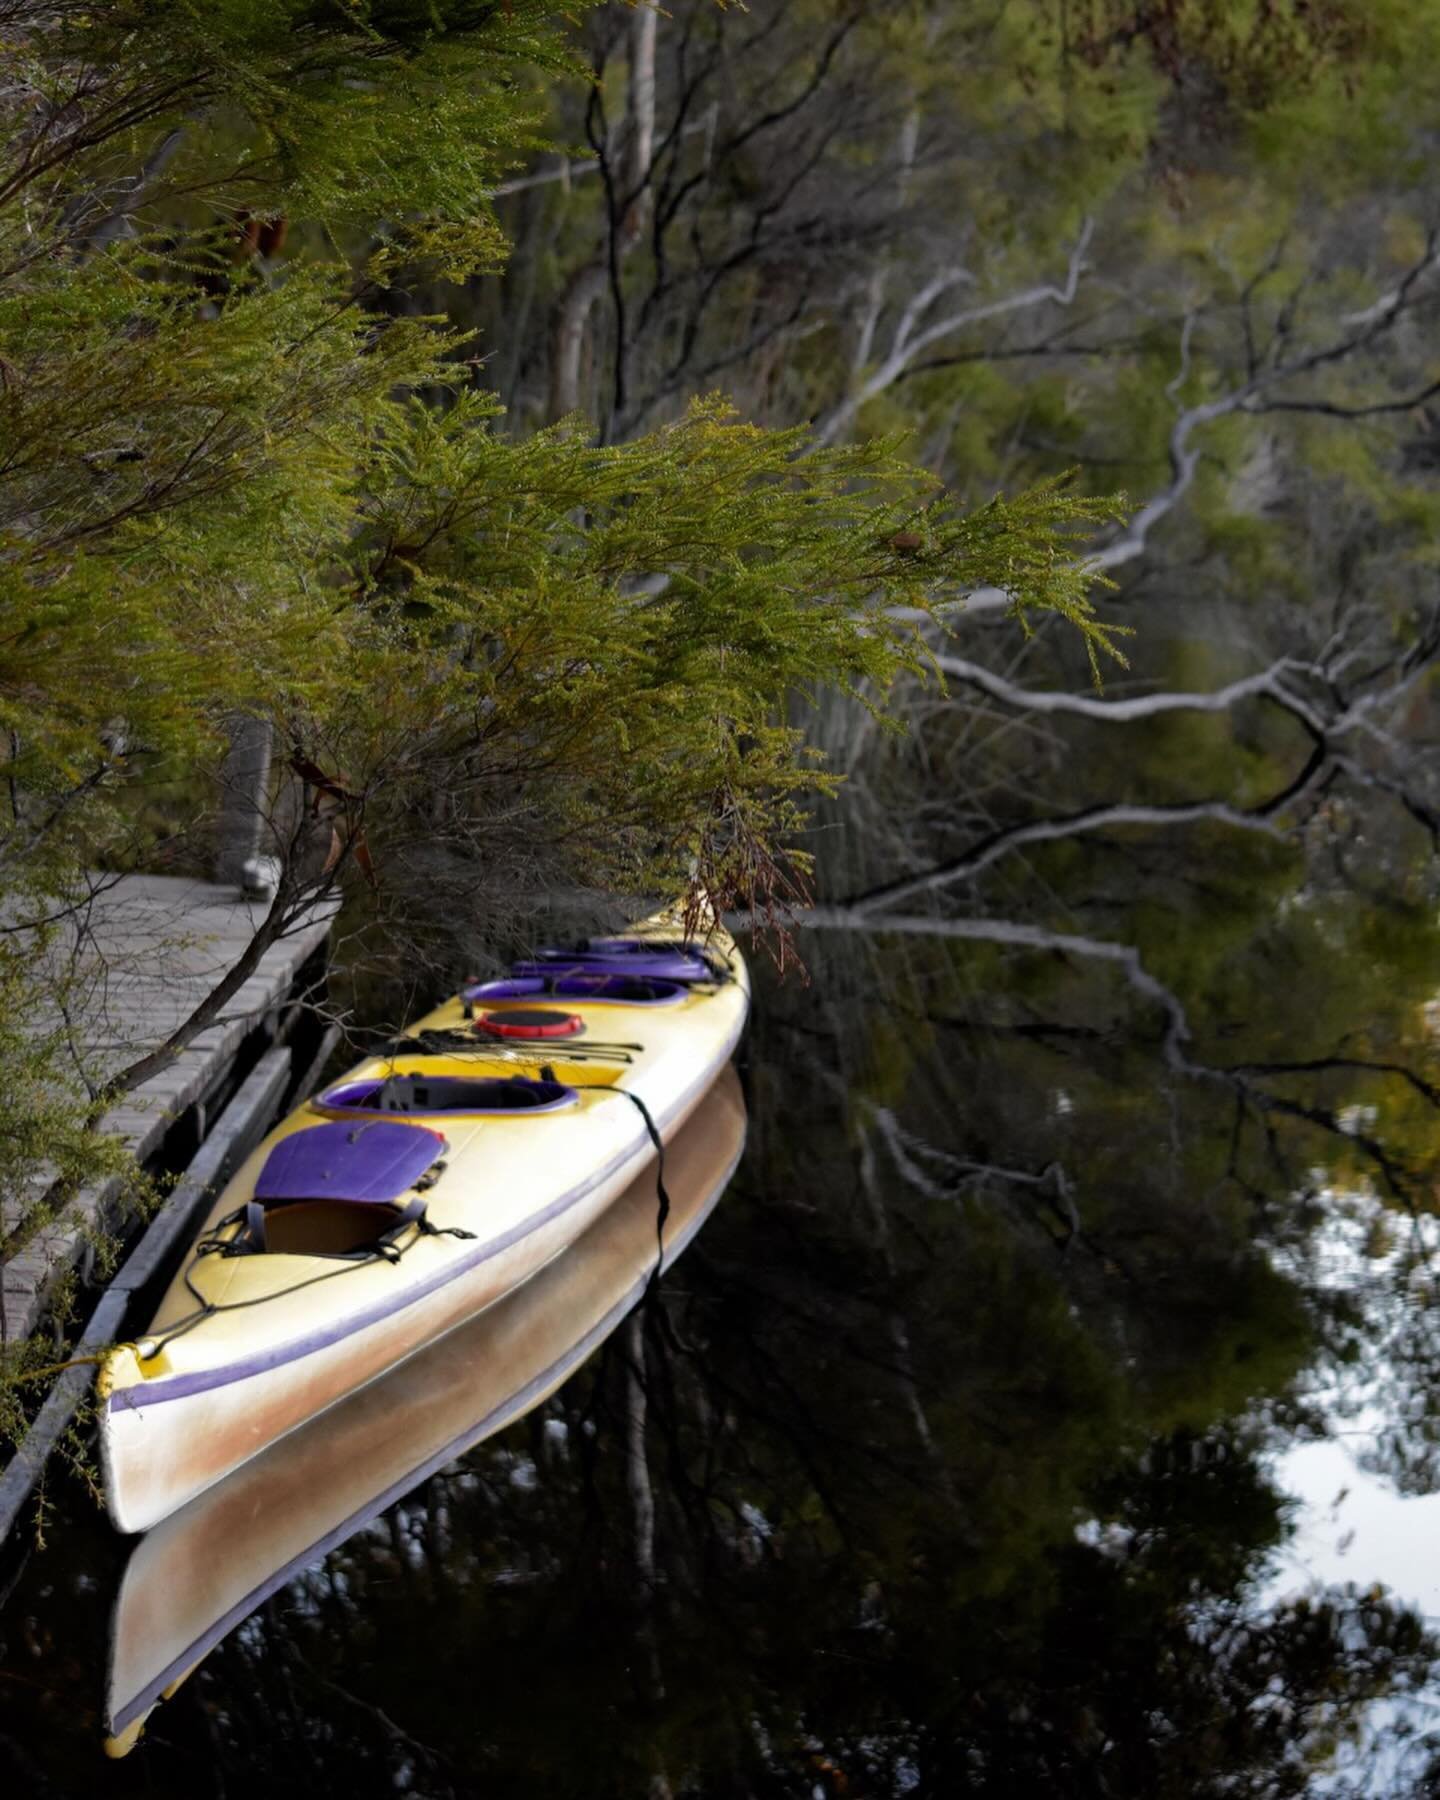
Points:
(910, 1152)
(430, 1757)
(1177, 1034)
(896, 1324)
(1038, 831)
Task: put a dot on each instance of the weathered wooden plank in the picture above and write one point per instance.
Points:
(155, 947)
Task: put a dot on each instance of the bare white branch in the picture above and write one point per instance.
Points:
(1267, 684)
(566, 170)
(910, 339)
(639, 125)
(1184, 453)
(1382, 311)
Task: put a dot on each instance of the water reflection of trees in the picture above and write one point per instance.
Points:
(943, 1466)
(949, 1493)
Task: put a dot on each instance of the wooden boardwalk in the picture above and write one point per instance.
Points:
(153, 947)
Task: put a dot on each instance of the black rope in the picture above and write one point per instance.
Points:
(662, 1193)
(213, 1244)
(207, 1309)
(246, 1242)
(721, 970)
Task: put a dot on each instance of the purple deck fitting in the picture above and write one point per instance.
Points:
(653, 959)
(643, 946)
(428, 1094)
(368, 1165)
(592, 984)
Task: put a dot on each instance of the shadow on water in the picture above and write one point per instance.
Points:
(1020, 1424)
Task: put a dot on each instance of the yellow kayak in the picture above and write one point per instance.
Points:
(419, 1189)
(194, 1578)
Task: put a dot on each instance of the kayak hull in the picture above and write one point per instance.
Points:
(246, 1348)
(157, 1455)
(201, 1572)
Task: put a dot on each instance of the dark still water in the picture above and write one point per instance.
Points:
(1029, 1417)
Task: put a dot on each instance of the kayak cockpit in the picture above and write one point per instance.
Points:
(661, 959)
(340, 1188)
(326, 1228)
(419, 1094)
(598, 986)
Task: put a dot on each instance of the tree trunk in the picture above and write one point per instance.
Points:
(245, 781)
(567, 337)
(640, 148)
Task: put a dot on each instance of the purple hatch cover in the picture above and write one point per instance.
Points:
(370, 1164)
(655, 958)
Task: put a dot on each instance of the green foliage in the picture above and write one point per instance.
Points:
(49, 1150)
(351, 113)
(629, 622)
(214, 477)
(44, 1123)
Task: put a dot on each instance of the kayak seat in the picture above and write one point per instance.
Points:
(326, 1227)
(336, 1190)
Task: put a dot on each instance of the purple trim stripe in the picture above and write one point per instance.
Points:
(495, 1420)
(182, 1387)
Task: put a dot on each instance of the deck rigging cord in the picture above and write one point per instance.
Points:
(459, 1042)
(206, 1309)
(383, 1249)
